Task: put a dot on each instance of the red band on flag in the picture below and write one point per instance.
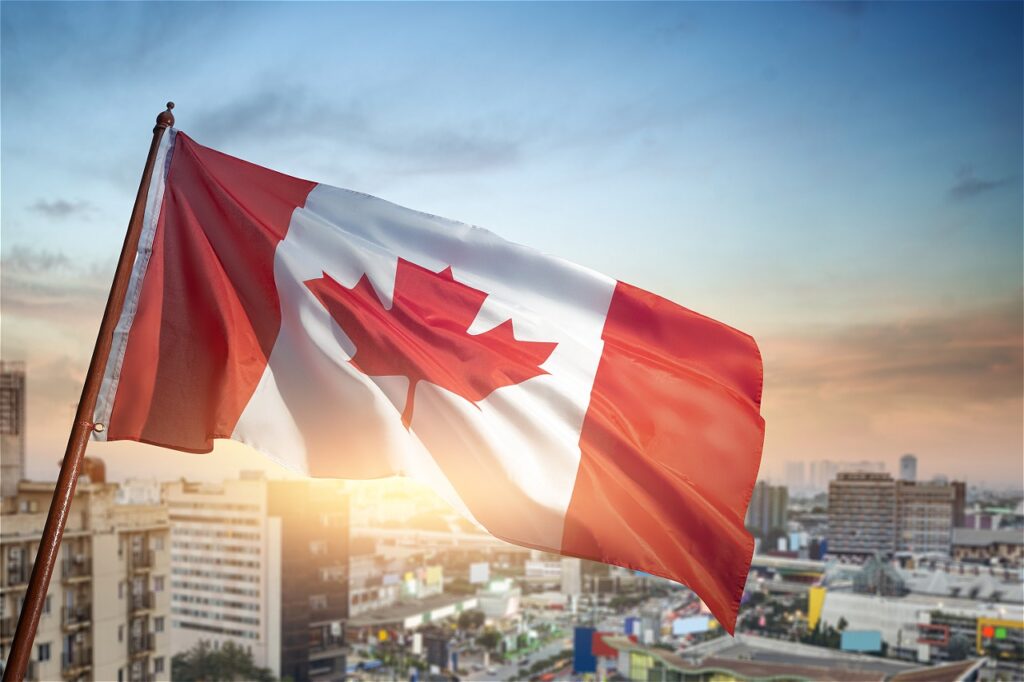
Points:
(670, 446)
(208, 311)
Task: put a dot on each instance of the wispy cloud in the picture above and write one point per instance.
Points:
(61, 208)
(297, 113)
(969, 356)
(49, 288)
(968, 185)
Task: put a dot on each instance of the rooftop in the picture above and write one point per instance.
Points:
(975, 537)
(399, 613)
(748, 657)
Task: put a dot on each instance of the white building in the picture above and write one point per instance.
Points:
(262, 564)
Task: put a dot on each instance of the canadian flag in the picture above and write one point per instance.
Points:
(346, 337)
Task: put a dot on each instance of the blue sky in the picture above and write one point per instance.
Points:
(843, 180)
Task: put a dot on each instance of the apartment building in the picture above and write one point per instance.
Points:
(12, 426)
(106, 611)
(871, 512)
(768, 512)
(926, 516)
(263, 564)
(861, 513)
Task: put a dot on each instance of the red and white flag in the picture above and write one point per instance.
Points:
(344, 336)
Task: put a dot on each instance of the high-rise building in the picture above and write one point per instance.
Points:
(926, 515)
(768, 511)
(796, 478)
(908, 467)
(870, 512)
(861, 513)
(106, 611)
(263, 564)
(12, 426)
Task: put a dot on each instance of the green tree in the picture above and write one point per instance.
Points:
(471, 620)
(489, 639)
(229, 663)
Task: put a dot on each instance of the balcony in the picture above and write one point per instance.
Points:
(76, 616)
(76, 661)
(141, 644)
(7, 627)
(142, 601)
(17, 576)
(140, 561)
(77, 568)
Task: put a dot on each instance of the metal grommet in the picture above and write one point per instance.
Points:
(98, 428)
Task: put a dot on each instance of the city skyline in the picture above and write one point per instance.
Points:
(841, 182)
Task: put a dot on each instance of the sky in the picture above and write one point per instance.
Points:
(843, 181)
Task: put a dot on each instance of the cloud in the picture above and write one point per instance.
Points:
(968, 185)
(61, 208)
(297, 114)
(969, 356)
(47, 289)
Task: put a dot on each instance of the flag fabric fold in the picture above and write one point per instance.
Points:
(344, 336)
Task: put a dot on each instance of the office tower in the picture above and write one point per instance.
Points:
(12, 426)
(908, 467)
(861, 513)
(768, 511)
(263, 564)
(106, 612)
(870, 512)
(926, 514)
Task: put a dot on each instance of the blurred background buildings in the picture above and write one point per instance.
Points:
(856, 574)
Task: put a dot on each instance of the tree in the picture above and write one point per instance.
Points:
(471, 620)
(489, 639)
(229, 663)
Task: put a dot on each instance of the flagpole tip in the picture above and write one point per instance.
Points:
(166, 118)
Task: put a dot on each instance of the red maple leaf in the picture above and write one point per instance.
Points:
(423, 335)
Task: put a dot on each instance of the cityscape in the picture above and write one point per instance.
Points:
(859, 573)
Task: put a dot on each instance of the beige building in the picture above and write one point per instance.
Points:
(870, 512)
(861, 513)
(262, 564)
(106, 615)
(926, 516)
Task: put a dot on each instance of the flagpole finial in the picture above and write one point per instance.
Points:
(166, 118)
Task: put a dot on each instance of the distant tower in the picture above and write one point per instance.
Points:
(12, 426)
(908, 468)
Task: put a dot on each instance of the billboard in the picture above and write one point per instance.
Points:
(479, 573)
(583, 659)
(861, 640)
(687, 626)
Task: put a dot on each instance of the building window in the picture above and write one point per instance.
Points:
(158, 542)
(120, 633)
(158, 664)
(318, 602)
(318, 547)
(43, 652)
(120, 590)
(47, 604)
(158, 624)
(158, 583)
(120, 675)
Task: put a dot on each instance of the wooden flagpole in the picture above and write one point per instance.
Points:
(56, 519)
